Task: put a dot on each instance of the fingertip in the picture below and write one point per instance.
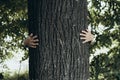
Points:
(36, 40)
(83, 42)
(37, 44)
(87, 29)
(33, 46)
(31, 34)
(34, 36)
(80, 37)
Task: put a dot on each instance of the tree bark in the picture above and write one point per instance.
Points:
(60, 54)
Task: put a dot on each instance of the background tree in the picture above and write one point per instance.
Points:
(61, 55)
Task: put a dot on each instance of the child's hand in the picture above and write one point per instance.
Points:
(87, 36)
(31, 41)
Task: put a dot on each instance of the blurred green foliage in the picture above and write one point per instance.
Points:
(13, 29)
(13, 22)
(105, 66)
(106, 13)
(16, 76)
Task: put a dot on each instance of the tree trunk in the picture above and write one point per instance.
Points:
(60, 54)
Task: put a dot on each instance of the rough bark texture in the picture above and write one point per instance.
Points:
(60, 54)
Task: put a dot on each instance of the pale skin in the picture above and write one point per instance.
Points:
(32, 41)
(86, 36)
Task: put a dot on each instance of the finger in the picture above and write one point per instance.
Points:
(82, 34)
(34, 37)
(36, 40)
(84, 41)
(33, 46)
(31, 34)
(85, 32)
(88, 31)
(83, 38)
